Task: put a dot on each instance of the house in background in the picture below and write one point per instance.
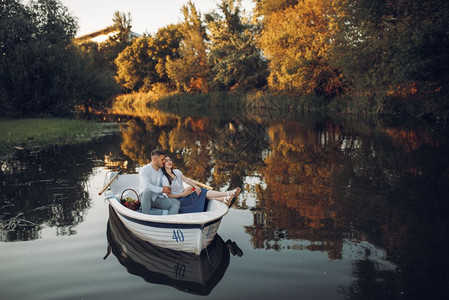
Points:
(102, 35)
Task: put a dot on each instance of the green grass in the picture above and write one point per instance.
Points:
(41, 133)
(232, 104)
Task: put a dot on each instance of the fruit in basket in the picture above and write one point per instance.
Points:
(131, 203)
(130, 200)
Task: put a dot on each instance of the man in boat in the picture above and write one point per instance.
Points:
(150, 185)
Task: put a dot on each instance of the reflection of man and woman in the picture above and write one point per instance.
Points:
(162, 187)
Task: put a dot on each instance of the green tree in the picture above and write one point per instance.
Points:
(393, 47)
(362, 49)
(166, 46)
(94, 85)
(16, 31)
(41, 73)
(142, 64)
(34, 66)
(92, 50)
(236, 61)
(116, 43)
(53, 21)
(190, 72)
(135, 67)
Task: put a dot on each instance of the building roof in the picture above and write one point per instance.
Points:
(102, 35)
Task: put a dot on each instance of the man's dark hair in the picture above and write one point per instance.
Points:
(157, 152)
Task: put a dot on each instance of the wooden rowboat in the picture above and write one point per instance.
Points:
(190, 232)
(196, 274)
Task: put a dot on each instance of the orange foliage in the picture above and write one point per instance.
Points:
(404, 90)
(296, 39)
(293, 180)
(409, 140)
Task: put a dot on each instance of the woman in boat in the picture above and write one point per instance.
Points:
(193, 199)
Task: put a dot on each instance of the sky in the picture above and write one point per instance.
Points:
(147, 16)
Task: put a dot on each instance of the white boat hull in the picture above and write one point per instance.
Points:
(196, 274)
(191, 232)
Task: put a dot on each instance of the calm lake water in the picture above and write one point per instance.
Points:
(331, 209)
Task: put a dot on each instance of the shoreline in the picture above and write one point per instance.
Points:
(260, 101)
(37, 134)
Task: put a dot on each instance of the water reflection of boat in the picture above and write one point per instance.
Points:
(191, 232)
(184, 271)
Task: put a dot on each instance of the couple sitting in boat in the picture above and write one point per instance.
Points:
(158, 178)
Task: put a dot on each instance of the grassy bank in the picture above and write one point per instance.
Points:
(197, 105)
(428, 107)
(41, 133)
(234, 104)
(280, 105)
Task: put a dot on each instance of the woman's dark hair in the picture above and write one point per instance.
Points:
(170, 179)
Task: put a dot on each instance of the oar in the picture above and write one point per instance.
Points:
(110, 181)
(202, 184)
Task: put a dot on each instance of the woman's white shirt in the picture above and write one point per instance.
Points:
(176, 185)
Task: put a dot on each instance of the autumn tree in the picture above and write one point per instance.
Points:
(236, 61)
(190, 72)
(296, 40)
(264, 8)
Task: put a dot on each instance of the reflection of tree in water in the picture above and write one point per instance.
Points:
(237, 149)
(186, 140)
(47, 188)
(330, 175)
(190, 140)
(330, 183)
(326, 184)
(140, 137)
(298, 196)
(202, 147)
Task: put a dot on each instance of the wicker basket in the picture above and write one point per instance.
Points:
(131, 205)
